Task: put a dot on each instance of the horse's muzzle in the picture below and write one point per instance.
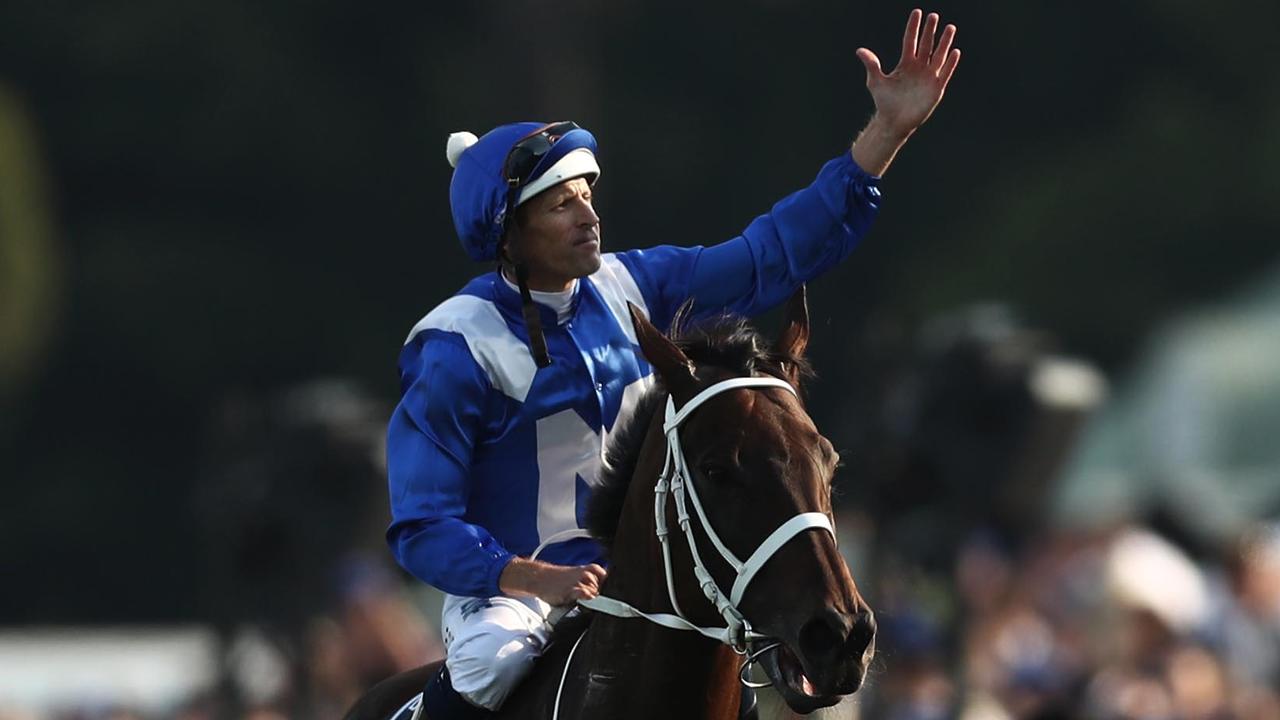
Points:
(828, 661)
(835, 648)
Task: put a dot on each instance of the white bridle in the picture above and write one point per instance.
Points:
(676, 481)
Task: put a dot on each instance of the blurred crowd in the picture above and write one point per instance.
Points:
(303, 605)
(1041, 559)
(1113, 625)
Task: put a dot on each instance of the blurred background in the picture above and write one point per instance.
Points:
(1053, 369)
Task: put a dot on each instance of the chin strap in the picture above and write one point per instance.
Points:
(532, 319)
(528, 308)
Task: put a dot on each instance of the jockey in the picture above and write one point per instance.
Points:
(511, 387)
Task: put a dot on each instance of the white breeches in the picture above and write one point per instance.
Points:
(492, 644)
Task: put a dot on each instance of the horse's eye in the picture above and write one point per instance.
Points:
(714, 473)
(835, 485)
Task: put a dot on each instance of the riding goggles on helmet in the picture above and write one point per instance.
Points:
(547, 157)
(525, 154)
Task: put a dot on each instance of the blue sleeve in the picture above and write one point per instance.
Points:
(803, 236)
(429, 445)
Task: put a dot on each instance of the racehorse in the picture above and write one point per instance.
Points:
(736, 440)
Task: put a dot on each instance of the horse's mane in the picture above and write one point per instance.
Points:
(728, 342)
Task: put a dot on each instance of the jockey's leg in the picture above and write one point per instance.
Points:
(441, 702)
(491, 645)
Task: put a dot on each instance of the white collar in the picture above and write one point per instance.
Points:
(561, 301)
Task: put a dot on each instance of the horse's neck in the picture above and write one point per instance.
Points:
(659, 671)
(639, 669)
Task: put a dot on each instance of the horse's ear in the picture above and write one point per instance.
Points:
(795, 334)
(666, 358)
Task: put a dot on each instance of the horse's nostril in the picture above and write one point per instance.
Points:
(825, 634)
(862, 633)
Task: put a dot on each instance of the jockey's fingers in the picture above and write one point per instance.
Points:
(941, 52)
(911, 34)
(953, 59)
(872, 63)
(924, 49)
(596, 571)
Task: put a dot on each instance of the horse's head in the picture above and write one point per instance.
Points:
(756, 461)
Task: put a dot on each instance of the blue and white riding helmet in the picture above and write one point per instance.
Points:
(478, 192)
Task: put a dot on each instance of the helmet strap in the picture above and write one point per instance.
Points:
(532, 318)
(528, 308)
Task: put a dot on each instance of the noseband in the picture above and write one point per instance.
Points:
(676, 481)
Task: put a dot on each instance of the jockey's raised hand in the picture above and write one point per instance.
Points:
(906, 97)
(553, 584)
